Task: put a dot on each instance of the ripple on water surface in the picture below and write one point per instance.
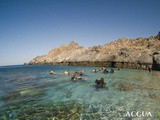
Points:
(30, 92)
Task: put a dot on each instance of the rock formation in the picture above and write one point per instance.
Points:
(158, 36)
(137, 53)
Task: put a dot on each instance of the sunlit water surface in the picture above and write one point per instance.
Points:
(31, 93)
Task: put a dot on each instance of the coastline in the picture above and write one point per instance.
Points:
(143, 66)
(140, 53)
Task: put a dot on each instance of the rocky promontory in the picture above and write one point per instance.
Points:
(140, 53)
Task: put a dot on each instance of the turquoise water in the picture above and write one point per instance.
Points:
(31, 93)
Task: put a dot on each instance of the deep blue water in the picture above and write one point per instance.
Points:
(30, 88)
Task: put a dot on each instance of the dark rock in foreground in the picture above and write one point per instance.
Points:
(140, 53)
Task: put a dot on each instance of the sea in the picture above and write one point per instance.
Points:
(30, 92)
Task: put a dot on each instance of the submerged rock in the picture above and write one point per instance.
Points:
(4, 115)
(154, 96)
(15, 99)
(69, 94)
(60, 110)
(22, 94)
(126, 86)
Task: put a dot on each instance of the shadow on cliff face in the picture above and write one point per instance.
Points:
(155, 64)
(113, 64)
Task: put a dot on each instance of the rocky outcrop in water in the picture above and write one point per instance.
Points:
(130, 53)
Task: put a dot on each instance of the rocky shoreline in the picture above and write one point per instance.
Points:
(144, 66)
(140, 53)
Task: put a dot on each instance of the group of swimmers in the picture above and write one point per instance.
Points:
(75, 74)
(75, 78)
(105, 70)
(78, 75)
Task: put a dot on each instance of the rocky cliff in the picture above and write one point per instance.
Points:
(131, 53)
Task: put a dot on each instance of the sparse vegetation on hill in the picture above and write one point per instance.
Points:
(132, 53)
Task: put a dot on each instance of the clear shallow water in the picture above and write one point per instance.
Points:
(30, 92)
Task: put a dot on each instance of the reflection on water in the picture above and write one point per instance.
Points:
(31, 93)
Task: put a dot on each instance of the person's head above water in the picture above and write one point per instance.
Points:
(102, 79)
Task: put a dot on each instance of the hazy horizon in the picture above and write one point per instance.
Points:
(30, 28)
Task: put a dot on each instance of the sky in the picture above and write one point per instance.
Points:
(29, 28)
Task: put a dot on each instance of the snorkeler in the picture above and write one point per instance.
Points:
(67, 72)
(52, 73)
(105, 71)
(81, 73)
(112, 71)
(100, 69)
(74, 77)
(76, 73)
(94, 71)
(101, 82)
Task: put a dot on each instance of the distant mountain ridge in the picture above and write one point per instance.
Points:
(131, 53)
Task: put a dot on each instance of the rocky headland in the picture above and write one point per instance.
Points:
(140, 53)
